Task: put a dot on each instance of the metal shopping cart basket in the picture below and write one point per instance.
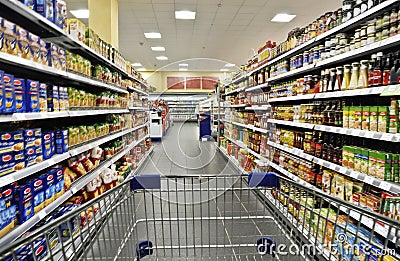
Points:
(225, 217)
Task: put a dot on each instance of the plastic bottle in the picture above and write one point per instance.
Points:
(355, 73)
(363, 77)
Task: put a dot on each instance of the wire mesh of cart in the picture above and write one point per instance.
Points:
(226, 217)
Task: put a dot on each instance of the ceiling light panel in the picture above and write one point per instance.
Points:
(283, 18)
(224, 70)
(136, 64)
(183, 69)
(141, 69)
(158, 48)
(183, 65)
(152, 35)
(162, 58)
(185, 15)
(81, 13)
(230, 65)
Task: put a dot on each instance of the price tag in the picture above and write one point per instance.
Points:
(385, 186)
(377, 135)
(328, 129)
(342, 131)
(361, 134)
(6, 180)
(321, 95)
(369, 180)
(41, 214)
(354, 174)
(387, 136)
(343, 170)
(349, 131)
(326, 164)
(337, 168)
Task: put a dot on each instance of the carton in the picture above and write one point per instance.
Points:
(53, 55)
(34, 47)
(19, 86)
(350, 156)
(76, 30)
(357, 117)
(364, 161)
(32, 96)
(46, 9)
(365, 118)
(372, 164)
(47, 144)
(383, 119)
(2, 49)
(29, 138)
(61, 141)
(44, 53)
(62, 57)
(395, 167)
(2, 92)
(59, 182)
(383, 167)
(345, 156)
(43, 97)
(60, 14)
(24, 200)
(373, 118)
(357, 159)
(23, 49)
(30, 156)
(49, 187)
(29, 3)
(38, 193)
(346, 116)
(9, 93)
(10, 37)
(352, 117)
(7, 210)
(53, 98)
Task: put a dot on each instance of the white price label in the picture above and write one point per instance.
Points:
(369, 134)
(387, 136)
(322, 95)
(41, 214)
(6, 180)
(342, 131)
(326, 164)
(369, 180)
(385, 186)
(328, 129)
(343, 170)
(354, 174)
(361, 134)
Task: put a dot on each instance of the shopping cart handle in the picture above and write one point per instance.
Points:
(144, 248)
(146, 181)
(264, 179)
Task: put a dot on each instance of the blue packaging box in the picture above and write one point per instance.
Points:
(38, 193)
(32, 96)
(2, 91)
(19, 85)
(9, 93)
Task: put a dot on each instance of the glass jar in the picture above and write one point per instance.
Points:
(386, 19)
(363, 41)
(339, 78)
(347, 48)
(363, 77)
(371, 39)
(378, 35)
(385, 32)
(332, 80)
(346, 77)
(363, 31)
(357, 44)
(355, 73)
(393, 16)
(371, 28)
(364, 6)
(398, 27)
(357, 34)
(378, 22)
(352, 45)
(393, 30)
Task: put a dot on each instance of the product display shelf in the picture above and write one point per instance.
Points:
(235, 106)
(354, 22)
(76, 186)
(243, 146)
(257, 87)
(51, 115)
(138, 108)
(292, 98)
(352, 93)
(17, 12)
(18, 175)
(55, 74)
(141, 162)
(391, 137)
(137, 90)
(384, 185)
(248, 126)
(258, 108)
(241, 89)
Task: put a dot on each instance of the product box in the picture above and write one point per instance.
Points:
(10, 37)
(364, 161)
(24, 200)
(61, 141)
(76, 30)
(48, 145)
(34, 47)
(19, 86)
(357, 117)
(29, 3)
(393, 124)
(357, 159)
(383, 119)
(32, 96)
(373, 118)
(2, 49)
(59, 182)
(43, 97)
(346, 116)
(23, 49)
(44, 53)
(62, 58)
(11, 141)
(30, 156)
(70, 227)
(372, 164)
(8, 164)
(365, 118)
(9, 93)
(30, 138)
(46, 9)
(395, 167)
(60, 14)
(38, 193)
(352, 117)
(2, 92)
(383, 166)
(52, 55)
(53, 104)
(49, 186)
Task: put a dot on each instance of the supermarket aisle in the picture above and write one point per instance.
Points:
(181, 152)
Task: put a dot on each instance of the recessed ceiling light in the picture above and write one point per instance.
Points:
(158, 48)
(230, 65)
(187, 15)
(283, 18)
(81, 13)
(183, 65)
(224, 70)
(183, 69)
(152, 35)
(141, 69)
(162, 58)
(136, 64)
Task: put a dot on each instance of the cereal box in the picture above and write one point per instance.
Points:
(32, 96)
(9, 93)
(19, 85)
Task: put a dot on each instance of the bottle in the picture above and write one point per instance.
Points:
(339, 79)
(322, 83)
(326, 80)
(355, 73)
(386, 70)
(393, 70)
(363, 78)
(326, 113)
(332, 80)
(372, 65)
(339, 115)
(331, 114)
(346, 77)
(378, 70)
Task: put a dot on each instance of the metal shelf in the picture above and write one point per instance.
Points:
(259, 108)
(258, 87)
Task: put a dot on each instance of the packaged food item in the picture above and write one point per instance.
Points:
(46, 9)
(2, 91)
(32, 96)
(76, 30)
(49, 179)
(62, 58)
(29, 3)
(61, 141)
(43, 97)
(395, 167)
(365, 118)
(326, 181)
(77, 166)
(44, 53)
(9, 93)
(59, 182)
(24, 199)
(60, 14)
(364, 156)
(30, 156)
(373, 119)
(10, 37)
(2, 49)
(346, 116)
(19, 86)
(357, 117)
(70, 227)
(91, 189)
(348, 191)
(357, 159)
(53, 55)
(352, 118)
(38, 193)
(383, 119)
(23, 49)
(34, 47)
(53, 98)
(48, 145)
(7, 210)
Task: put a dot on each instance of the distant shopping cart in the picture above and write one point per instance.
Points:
(224, 217)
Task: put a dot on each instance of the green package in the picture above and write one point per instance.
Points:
(357, 159)
(346, 116)
(395, 167)
(364, 161)
(357, 117)
(373, 118)
(383, 119)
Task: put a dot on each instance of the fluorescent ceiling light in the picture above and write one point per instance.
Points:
(136, 64)
(283, 18)
(183, 69)
(158, 48)
(230, 65)
(141, 69)
(224, 70)
(81, 13)
(162, 58)
(187, 15)
(183, 65)
(152, 35)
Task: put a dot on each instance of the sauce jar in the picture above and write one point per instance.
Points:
(385, 32)
(357, 34)
(378, 35)
(371, 28)
(378, 23)
(363, 41)
(363, 31)
(393, 16)
(371, 39)
(346, 77)
(347, 48)
(386, 19)
(398, 27)
(357, 44)
(393, 30)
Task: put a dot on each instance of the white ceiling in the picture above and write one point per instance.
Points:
(231, 32)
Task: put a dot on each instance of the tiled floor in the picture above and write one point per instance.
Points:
(190, 217)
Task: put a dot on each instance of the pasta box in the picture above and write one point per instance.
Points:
(11, 141)
(44, 57)
(48, 145)
(53, 98)
(1, 34)
(2, 98)
(29, 3)
(32, 96)
(23, 49)
(43, 97)
(19, 86)
(52, 55)
(49, 179)
(9, 93)
(59, 181)
(10, 37)
(34, 47)
(61, 141)
(46, 9)
(24, 199)
(30, 156)
(38, 193)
